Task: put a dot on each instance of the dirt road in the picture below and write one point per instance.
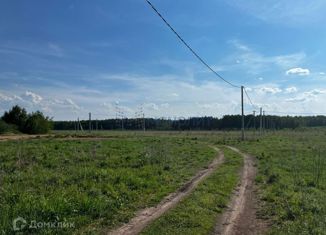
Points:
(146, 216)
(240, 218)
(21, 137)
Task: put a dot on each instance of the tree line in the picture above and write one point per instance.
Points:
(227, 122)
(18, 120)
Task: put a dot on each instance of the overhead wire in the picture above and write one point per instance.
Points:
(189, 47)
(244, 88)
(209, 67)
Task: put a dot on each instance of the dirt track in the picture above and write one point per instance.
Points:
(21, 137)
(240, 218)
(147, 215)
(26, 137)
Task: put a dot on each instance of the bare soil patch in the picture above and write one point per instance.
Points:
(21, 137)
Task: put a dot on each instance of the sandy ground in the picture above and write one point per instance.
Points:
(241, 216)
(21, 137)
(147, 215)
(25, 137)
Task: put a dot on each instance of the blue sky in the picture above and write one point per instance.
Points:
(68, 58)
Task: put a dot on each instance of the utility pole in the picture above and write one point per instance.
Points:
(264, 122)
(78, 124)
(254, 114)
(261, 121)
(144, 127)
(122, 121)
(242, 116)
(90, 122)
(254, 117)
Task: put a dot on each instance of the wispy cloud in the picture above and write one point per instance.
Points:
(269, 90)
(55, 50)
(255, 63)
(33, 97)
(290, 12)
(291, 90)
(311, 95)
(159, 98)
(32, 49)
(298, 71)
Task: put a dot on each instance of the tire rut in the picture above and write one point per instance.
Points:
(240, 218)
(148, 215)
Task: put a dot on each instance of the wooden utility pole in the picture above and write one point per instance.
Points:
(90, 122)
(264, 122)
(242, 116)
(254, 117)
(261, 121)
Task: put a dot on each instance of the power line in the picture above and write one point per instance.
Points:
(248, 97)
(188, 46)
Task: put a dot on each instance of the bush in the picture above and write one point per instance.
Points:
(18, 119)
(4, 127)
(37, 123)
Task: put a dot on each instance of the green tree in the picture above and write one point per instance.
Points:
(16, 116)
(37, 123)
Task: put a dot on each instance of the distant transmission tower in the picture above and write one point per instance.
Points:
(90, 122)
(140, 118)
(119, 115)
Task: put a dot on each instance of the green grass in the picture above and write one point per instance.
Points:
(197, 214)
(291, 177)
(93, 184)
(100, 184)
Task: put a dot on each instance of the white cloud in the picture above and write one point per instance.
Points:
(35, 98)
(311, 95)
(151, 106)
(165, 105)
(296, 99)
(298, 71)
(207, 98)
(239, 46)
(255, 63)
(175, 95)
(291, 90)
(71, 103)
(269, 90)
(4, 97)
(315, 92)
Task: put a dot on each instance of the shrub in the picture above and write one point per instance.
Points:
(37, 123)
(4, 127)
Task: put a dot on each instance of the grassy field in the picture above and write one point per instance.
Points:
(100, 183)
(292, 180)
(93, 184)
(198, 213)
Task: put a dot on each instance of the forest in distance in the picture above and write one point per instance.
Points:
(227, 122)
